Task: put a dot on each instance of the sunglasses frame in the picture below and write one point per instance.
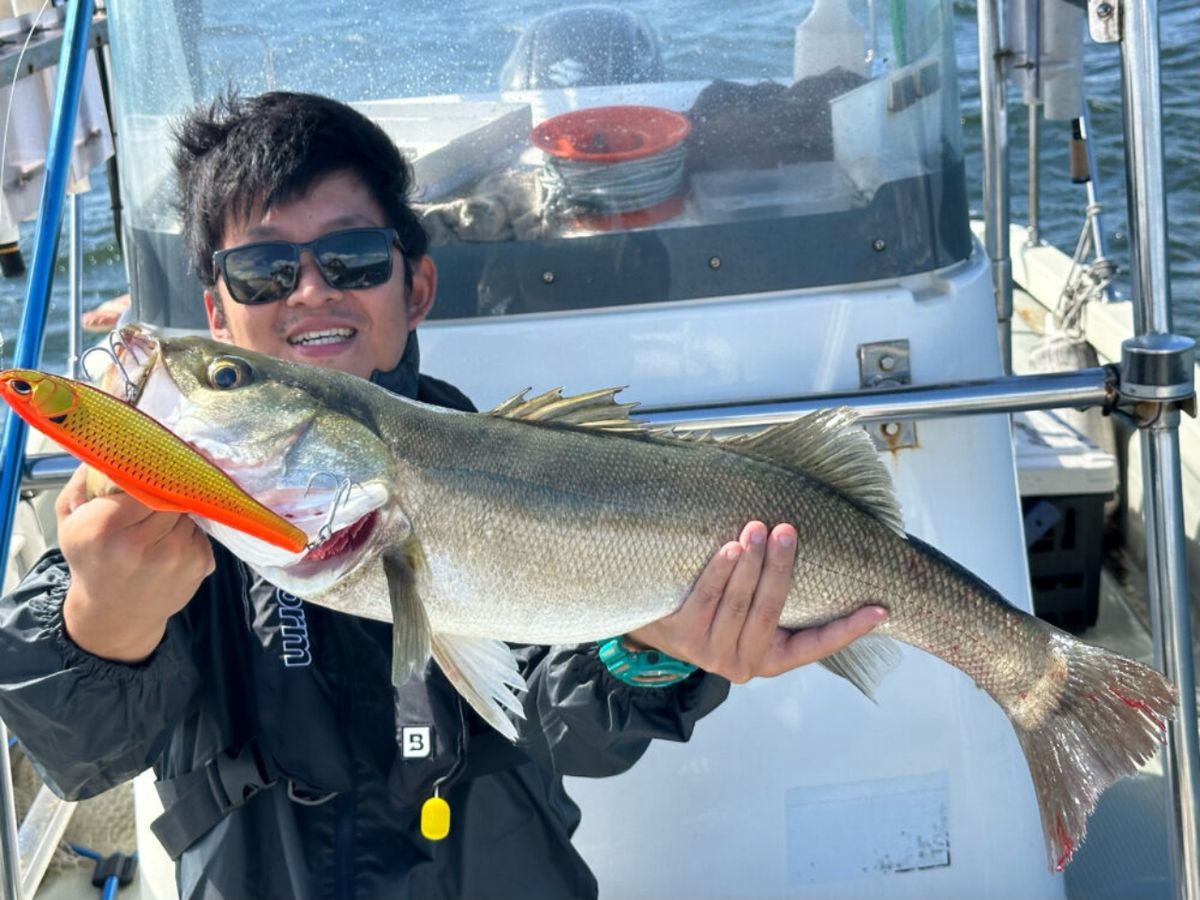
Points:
(219, 271)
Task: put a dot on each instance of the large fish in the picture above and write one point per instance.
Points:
(559, 520)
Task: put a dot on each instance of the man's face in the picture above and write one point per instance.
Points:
(356, 330)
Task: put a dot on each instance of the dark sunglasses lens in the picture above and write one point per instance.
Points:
(355, 259)
(262, 273)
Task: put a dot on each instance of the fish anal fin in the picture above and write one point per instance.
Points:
(410, 624)
(865, 662)
(484, 671)
(594, 409)
(829, 445)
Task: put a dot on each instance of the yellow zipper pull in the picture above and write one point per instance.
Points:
(435, 817)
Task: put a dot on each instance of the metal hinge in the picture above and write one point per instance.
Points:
(886, 364)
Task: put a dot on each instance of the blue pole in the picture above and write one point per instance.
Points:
(41, 273)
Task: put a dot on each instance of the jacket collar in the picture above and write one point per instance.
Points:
(405, 378)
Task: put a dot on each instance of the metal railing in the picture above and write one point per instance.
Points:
(73, 58)
(1135, 26)
(1166, 567)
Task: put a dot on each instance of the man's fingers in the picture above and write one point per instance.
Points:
(706, 593)
(811, 644)
(73, 495)
(738, 596)
(770, 594)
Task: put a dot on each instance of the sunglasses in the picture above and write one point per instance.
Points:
(267, 271)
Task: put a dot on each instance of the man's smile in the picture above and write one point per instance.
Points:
(321, 336)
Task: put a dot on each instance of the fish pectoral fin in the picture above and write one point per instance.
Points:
(410, 625)
(485, 672)
(865, 662)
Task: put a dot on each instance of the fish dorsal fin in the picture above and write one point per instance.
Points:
(595, 409)
(826, 444)
(829, 445)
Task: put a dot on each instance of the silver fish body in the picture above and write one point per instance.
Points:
(559, 520)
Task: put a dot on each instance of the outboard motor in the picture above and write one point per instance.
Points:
(582, 46)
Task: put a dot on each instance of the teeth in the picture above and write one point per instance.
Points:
(328, 336)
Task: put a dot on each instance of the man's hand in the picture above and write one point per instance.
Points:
(729, 623)
(131, 569)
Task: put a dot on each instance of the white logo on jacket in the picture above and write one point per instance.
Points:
(294, 628)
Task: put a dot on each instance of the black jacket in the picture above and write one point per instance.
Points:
(245, 667)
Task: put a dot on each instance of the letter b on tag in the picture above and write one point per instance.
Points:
(416, 741)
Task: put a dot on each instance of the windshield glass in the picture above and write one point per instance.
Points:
(572, 156)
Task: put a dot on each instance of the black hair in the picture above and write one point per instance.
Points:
(239, 155)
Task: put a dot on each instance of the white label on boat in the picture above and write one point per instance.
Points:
(865, 829)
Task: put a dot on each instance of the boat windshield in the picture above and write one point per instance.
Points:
(572, 156)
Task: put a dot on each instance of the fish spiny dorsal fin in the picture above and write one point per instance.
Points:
(828, 445)
(595, 409)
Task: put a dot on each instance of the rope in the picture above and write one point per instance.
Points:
(620, 187)
(1085, 282)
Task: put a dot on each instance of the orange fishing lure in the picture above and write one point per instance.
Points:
(140, 456)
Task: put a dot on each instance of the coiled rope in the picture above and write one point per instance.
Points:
(616, 187)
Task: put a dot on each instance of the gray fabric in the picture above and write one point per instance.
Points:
(229, 670)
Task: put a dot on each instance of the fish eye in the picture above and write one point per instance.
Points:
(228, 372)
(24, 388)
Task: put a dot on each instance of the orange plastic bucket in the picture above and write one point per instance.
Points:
(610, 134)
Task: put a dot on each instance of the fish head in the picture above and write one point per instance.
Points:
(298, 439)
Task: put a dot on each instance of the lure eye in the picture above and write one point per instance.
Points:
(23, 388)
(228, 372)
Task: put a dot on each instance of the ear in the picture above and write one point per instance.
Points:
(217, 326)
(424, 287)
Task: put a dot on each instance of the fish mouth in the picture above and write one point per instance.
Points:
(345, 541)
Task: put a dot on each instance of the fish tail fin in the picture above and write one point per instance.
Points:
(1106, 718)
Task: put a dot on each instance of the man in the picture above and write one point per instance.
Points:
(288, 765)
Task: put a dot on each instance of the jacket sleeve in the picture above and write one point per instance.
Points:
(87, 723)
(580, 720)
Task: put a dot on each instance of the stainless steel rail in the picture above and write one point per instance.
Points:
(10, 858)
(75, 299)
(1011, 393)
(994, 128)
(1163, 500)
(47, 472)
(41, 831)
(1095, 207)
(45, 49)
(1033, 231)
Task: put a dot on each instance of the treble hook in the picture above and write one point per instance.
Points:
(111, 350)
(341, 497)
(116, 349)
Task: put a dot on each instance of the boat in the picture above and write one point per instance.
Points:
(741, 225)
